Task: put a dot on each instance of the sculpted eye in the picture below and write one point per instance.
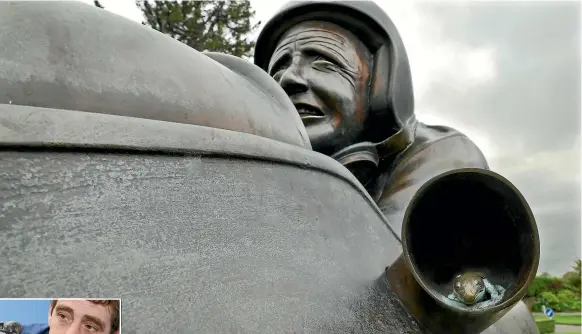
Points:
(322, 62)
(279, 65)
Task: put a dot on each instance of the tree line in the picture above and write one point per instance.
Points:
(562, 294)
(220, 26)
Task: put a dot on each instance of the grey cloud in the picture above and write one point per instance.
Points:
(559, 246)
(531, 108)
(535, 98)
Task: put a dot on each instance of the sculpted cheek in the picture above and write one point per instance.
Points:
(336, 106)
(337, 121)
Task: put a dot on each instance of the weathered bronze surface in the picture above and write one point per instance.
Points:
(184, 183)
(222, 218)
(226, 231)
(67, 64)
(344, 66)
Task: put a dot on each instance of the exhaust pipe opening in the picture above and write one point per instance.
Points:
(471, 220)
(468, 224)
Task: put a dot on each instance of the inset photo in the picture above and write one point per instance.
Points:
(60, 316)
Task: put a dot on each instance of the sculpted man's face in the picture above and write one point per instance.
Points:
(79, 316)
(324, 69)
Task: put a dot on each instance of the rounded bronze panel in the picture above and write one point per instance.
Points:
(69, 55)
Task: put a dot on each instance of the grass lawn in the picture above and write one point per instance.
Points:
(567, 319)
(563, 319)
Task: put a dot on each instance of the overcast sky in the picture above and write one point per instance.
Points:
(508, 75)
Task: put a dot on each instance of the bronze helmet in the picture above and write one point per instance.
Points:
(391, 99)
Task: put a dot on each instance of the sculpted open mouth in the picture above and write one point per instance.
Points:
(307, 111)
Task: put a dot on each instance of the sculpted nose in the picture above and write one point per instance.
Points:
(292, 81)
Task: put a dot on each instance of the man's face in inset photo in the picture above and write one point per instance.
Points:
(79, 317)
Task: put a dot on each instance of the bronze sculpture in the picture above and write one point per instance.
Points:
(344, 66)
(347, 60)
(471, 288)
(190, 184)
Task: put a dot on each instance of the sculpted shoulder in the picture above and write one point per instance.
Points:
(447, 143)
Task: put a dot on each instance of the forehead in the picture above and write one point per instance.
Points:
(313, 33)
(86, 308)
(327, 29)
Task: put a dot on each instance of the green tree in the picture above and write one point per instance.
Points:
(569, 300)
(543, 283)
(561, 294)
(550, 300)
(572, 279)
(220, 26)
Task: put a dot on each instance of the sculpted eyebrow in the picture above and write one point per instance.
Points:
(314, 45)
(327, 49)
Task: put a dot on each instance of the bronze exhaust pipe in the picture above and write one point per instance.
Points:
(465, 221)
